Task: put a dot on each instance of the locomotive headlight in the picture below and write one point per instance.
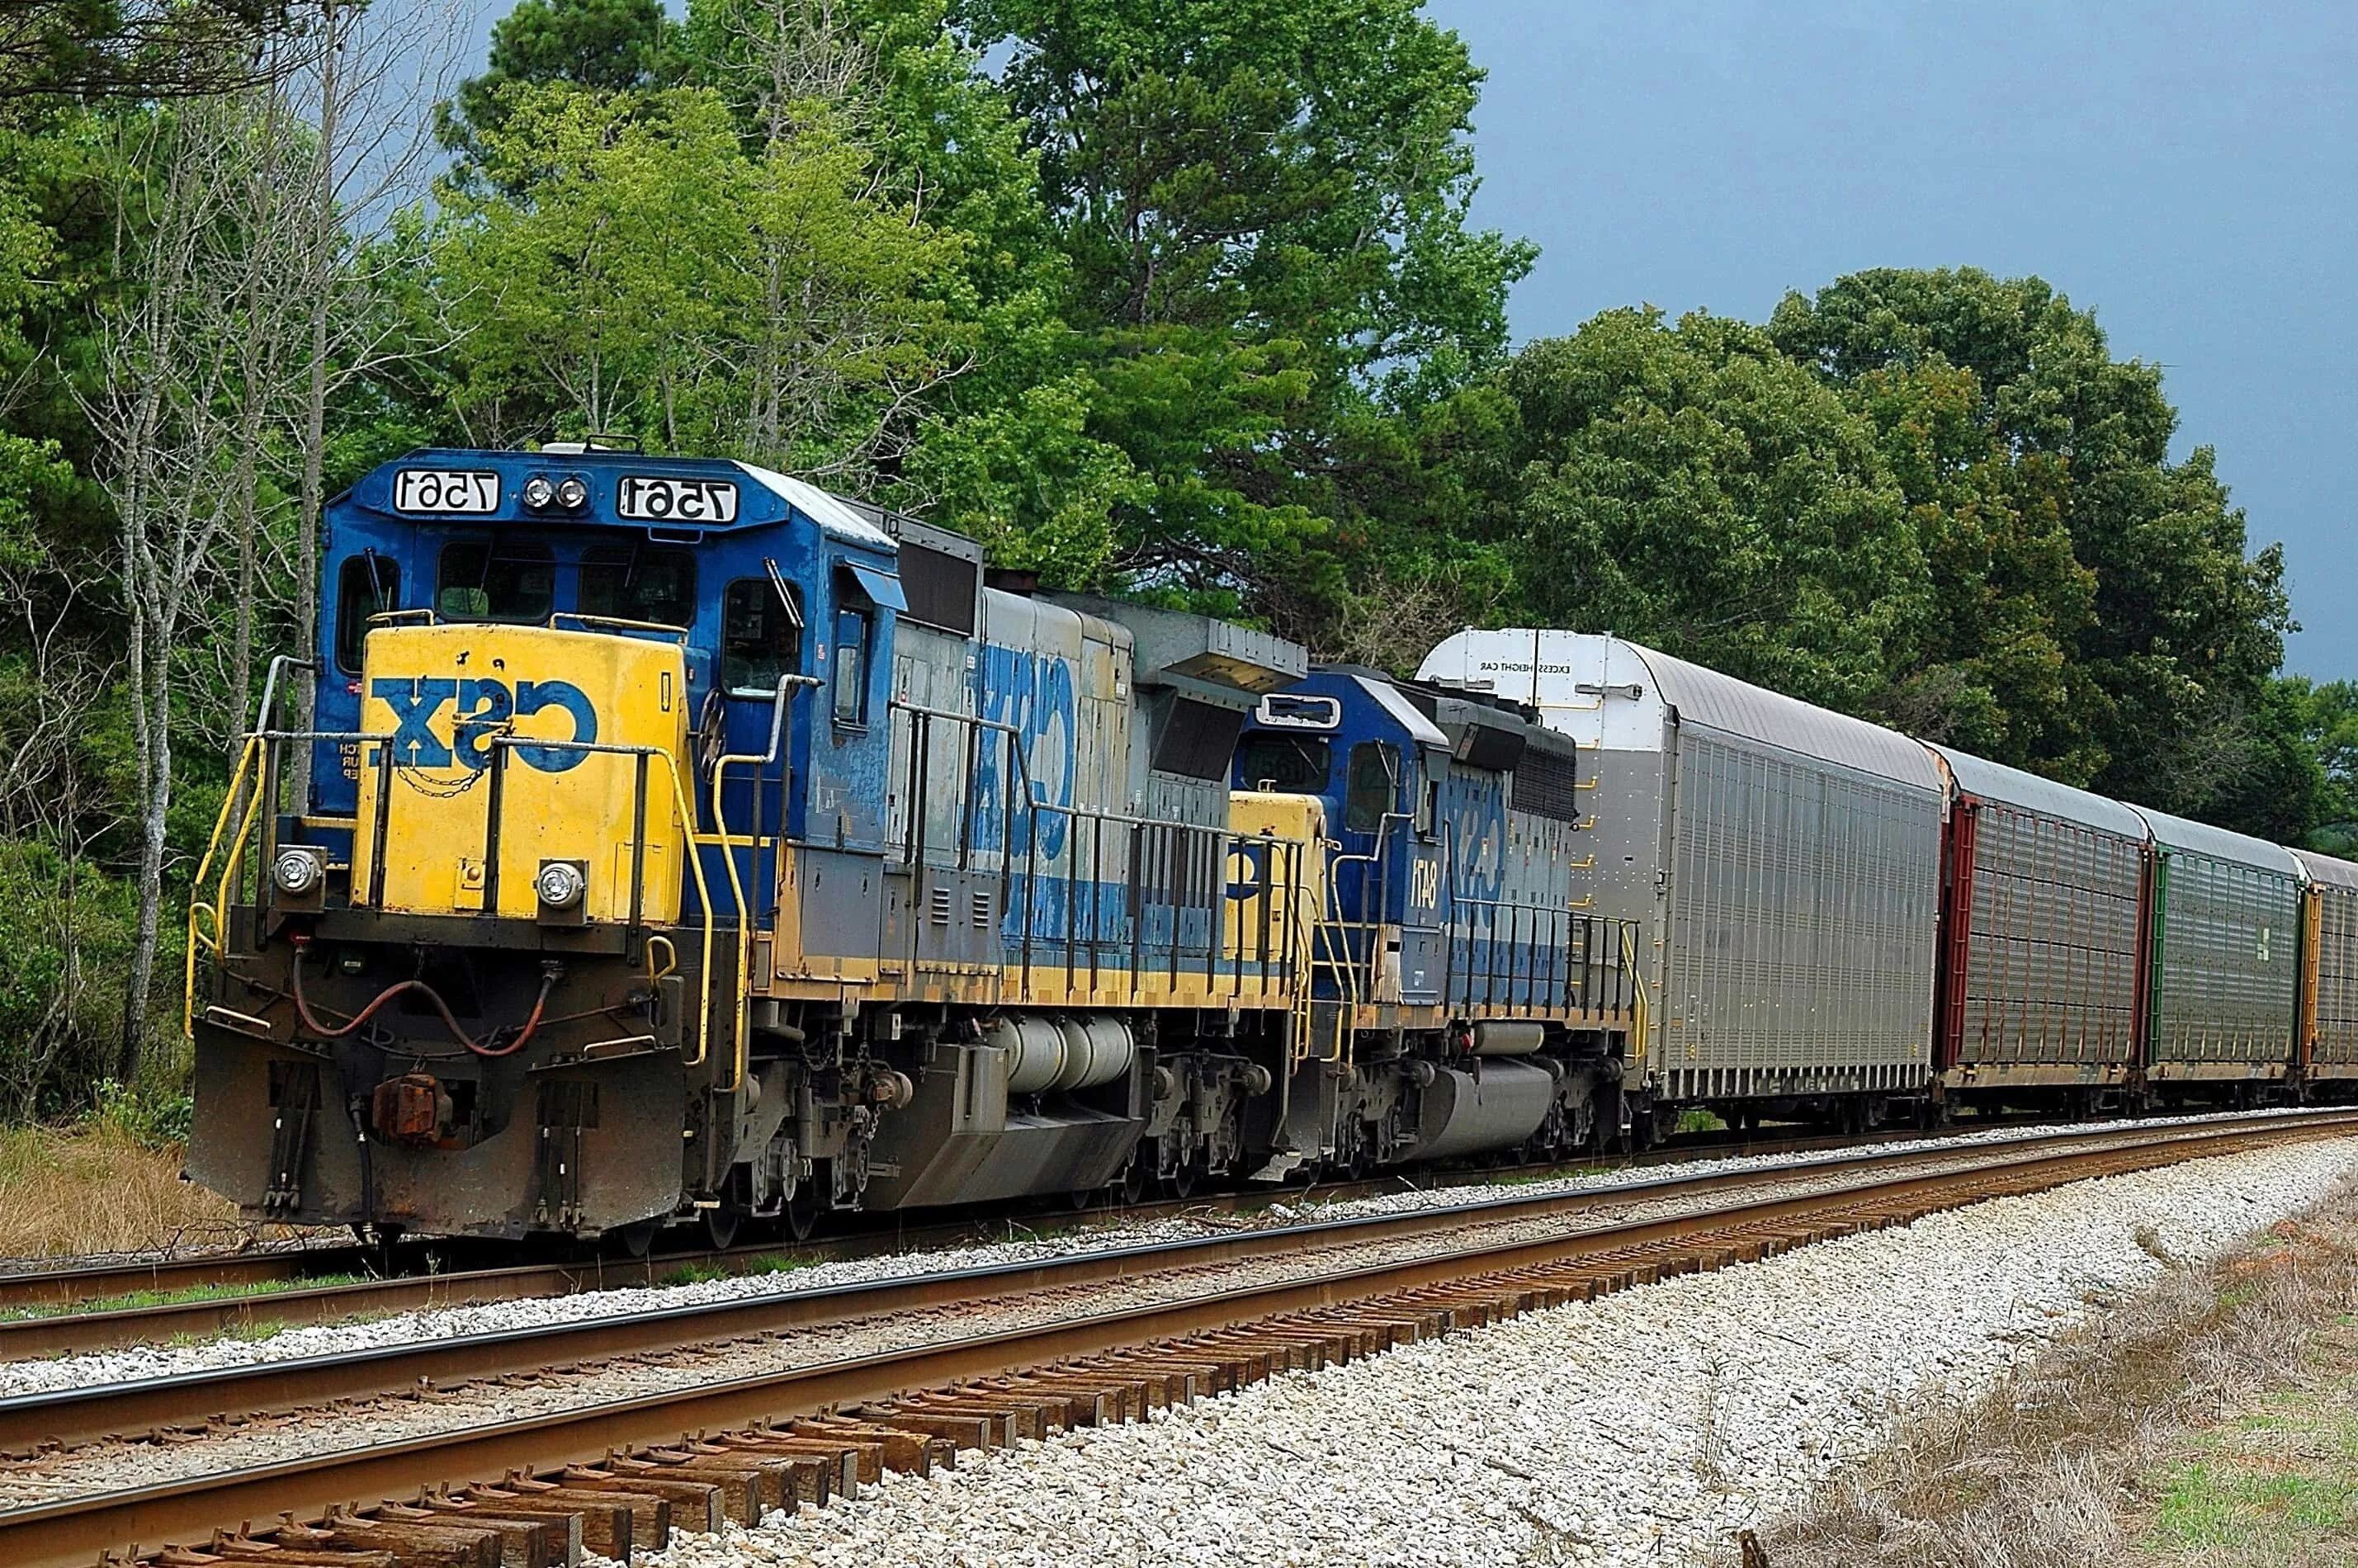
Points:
(560, 884)
(297, 872)
(538, 492)
(571, 494)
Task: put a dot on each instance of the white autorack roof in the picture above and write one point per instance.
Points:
(1581, 683)
(2219, 843)
(1995, 781)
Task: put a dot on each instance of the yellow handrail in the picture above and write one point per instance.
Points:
(778, 708)
(1637, 977)
(212, 911)
(686, 811)
(745, 921)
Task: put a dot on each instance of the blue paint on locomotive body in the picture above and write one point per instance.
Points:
(1436, 855)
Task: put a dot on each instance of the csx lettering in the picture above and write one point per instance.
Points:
(1032, 695)
(484, 708)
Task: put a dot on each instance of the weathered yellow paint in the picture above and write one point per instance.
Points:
(1278, 860)
(437, 816)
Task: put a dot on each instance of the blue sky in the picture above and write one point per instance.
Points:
(2190, 171)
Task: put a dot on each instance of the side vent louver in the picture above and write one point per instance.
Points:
(938, 906)
(981, 909)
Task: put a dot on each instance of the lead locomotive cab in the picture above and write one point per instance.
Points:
(476, 937)
(671, 840)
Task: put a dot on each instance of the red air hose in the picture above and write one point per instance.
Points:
(531, 1024)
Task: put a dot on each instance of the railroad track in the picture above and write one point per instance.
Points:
(268, 1288)
(806, 1431)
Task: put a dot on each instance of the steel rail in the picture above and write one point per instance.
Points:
(71, 1532)
(31, 1422)
(99, 1279)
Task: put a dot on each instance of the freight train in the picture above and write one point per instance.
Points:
(652, 841)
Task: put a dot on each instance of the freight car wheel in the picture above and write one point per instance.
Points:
(1182, 1182)
(720, 1226)
(639, 1239)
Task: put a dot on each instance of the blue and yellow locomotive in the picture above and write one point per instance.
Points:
(671, 839)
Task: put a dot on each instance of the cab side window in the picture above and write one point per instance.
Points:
(760, 636)
(1371, 785)
(852, 666)
(366, 584)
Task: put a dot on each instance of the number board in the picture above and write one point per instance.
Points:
(655, 498)
(473, 491)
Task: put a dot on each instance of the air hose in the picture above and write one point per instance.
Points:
(531, 1024)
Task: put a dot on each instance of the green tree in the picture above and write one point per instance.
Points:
(92, 50)
(2163, 691)
(628, 266)
(1689, 486)
(608, 45)
(1264, 208)
(2324, 716)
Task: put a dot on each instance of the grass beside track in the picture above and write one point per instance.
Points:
(2208, 1421)
(130, 1300)
(97, 1189)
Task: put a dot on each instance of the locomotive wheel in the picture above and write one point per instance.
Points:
(801, 1212)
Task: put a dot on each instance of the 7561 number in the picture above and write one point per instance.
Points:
(473, 491)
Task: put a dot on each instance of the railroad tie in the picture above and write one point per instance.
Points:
(644, 1522)
(695, 1504)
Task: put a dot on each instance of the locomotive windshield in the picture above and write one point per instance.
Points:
(1296, 765)
(481, 579)
(638, 582)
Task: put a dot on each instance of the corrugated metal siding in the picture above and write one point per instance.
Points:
(1805, 901)
(2225, 967)
(2051, 932)
(2333, 1050)
(1740, 708)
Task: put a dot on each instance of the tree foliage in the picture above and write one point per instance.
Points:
(1689, 486)
(2138, 664)
(1263, 206)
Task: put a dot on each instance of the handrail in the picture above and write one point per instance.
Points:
(213, 911)
(617, 622)
(278, 665)
(1636, 974)
(684, 810)
(778, 707)
(253, 742)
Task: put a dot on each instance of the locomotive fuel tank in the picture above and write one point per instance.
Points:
(1464, 1113)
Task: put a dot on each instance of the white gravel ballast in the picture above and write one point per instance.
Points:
(1644, 1428)
(138, 1361)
